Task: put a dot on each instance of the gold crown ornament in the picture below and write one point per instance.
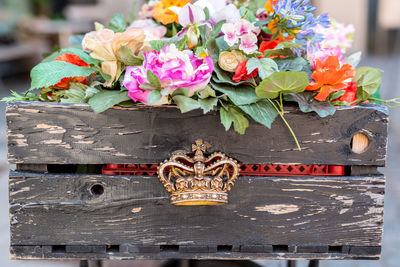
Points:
(198, 180)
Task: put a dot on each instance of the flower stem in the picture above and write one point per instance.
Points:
(281, 114)
(387, 102)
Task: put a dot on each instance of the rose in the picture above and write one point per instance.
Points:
(241, 73)
(76, 60)
(229, 61)
(104, 45)
(175, 69)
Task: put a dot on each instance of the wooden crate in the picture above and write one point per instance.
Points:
(57, 213)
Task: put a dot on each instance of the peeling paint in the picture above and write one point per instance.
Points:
(278, 208)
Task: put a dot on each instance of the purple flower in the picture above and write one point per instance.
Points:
(175, 69)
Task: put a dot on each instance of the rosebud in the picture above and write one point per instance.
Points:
(192, 37)
(229, 61)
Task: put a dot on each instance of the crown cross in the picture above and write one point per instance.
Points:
(198, 180)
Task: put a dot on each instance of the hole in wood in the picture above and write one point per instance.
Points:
(335, 249)
(97, 190)
(169, 248)
(112, 249)
(59, 249)
(280, 248)
(359, 143)
(224, 248)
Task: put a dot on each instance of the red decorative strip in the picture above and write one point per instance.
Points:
(245, 170)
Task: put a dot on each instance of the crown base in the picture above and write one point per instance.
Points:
(199, 198)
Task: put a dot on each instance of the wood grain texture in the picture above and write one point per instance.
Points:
(43, 133)
(49, 209)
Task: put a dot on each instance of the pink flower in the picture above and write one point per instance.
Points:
(249, 43)
(175, 69)
(243, 31)
(244, 27)
(230, 34)
(324, 53)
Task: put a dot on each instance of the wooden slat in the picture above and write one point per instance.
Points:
(134, 252)
(43, 133)
(51, 209)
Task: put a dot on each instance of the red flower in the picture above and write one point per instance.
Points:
(267, 45)
(241, 73)
(350, 96)
(76, 60)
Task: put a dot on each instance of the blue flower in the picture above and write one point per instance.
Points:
(299, 18)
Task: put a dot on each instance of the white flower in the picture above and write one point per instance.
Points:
(230, 35)
(249, 43)
(243, 27)
(189, 14)
(219, 10)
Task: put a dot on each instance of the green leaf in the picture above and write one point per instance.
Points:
(117, 23)
(17, 97)
(126, 56)
(282, 82)
(185, 104)
(298, 64)
(207, 13)
(307, 103)
(335, 95)
(106, 99)
(50, 73)
(239, 95)
(265, 66)
(262, 112)
(153, 79)
(282, 49)
(147, 86)
(154, 97)
(208, 104)
(158, 44)
(206, 93)
(72, 50)
(354, 59)
(368, 82)
(222, 44)
(181, 91)
(246, 13)
(255, 5)
(261, 23)
(217, 29)
(221, 76)
(236, 116)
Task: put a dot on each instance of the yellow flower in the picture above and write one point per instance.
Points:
(161, 11)
(229, 61)
(104, 45)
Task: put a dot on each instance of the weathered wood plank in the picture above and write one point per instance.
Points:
(48, 252)
(43, 133)
(51, 209)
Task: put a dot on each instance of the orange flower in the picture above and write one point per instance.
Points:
(161, 11)
(269, 5)
(76, 60)
(329, 76)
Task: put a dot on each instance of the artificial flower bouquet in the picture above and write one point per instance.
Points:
(243, 59)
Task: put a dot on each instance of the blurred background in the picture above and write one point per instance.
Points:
(30, 28)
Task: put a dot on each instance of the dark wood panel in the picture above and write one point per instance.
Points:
(129, 252)
(328, 211)
(43, 133)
